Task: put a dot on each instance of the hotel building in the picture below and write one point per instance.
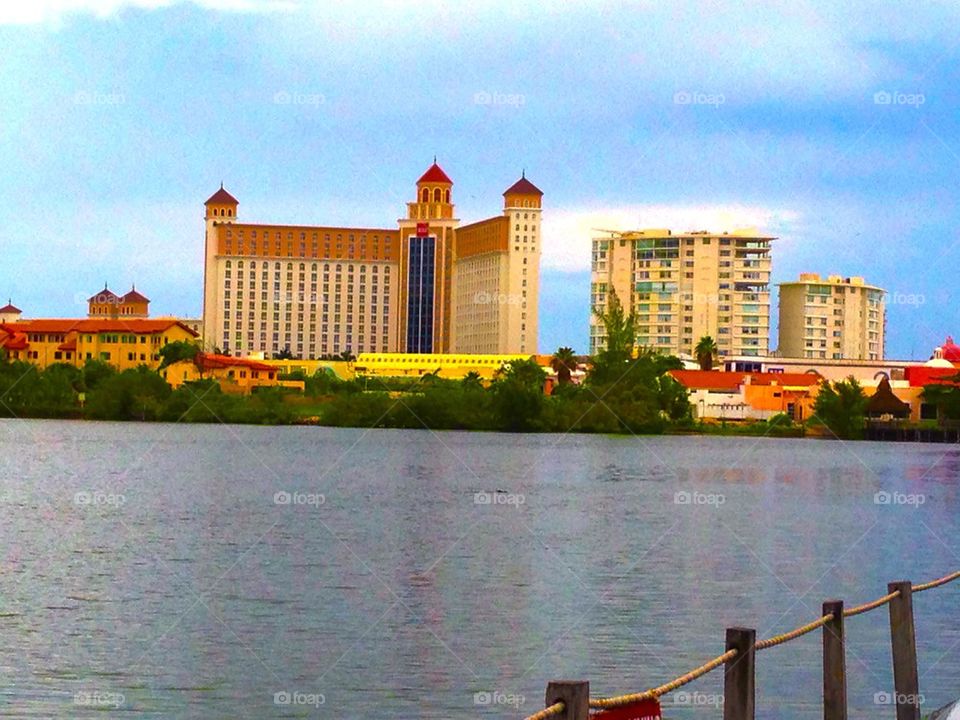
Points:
(426, 286)
(832, 318)
(686, 285)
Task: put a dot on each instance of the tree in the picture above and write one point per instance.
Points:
(563, 362)
(620, 328)
(841, 406)
(946, 398)
(176, 351)
(347, 356)
(284, 354)
(519, 399)
(705, 352)
(472, 381)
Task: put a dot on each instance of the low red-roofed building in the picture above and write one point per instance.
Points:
(721, 395)
(234, 374)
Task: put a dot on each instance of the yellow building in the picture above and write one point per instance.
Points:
(319, 290)
(239, 376)
(124, 344)
(833, 318)
(683, 286)
(452, 366)
(107, 304)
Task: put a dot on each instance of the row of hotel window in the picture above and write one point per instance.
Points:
(104, 338)
(106, 356)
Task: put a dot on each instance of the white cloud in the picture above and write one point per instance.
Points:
(567, 232)
(40, 11)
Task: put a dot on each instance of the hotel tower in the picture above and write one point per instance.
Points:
(428, 285)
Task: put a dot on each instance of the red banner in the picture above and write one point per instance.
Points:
(423, 229)
(643, 710)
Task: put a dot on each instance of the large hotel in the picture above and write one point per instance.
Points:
(428, 285)
(683, 286)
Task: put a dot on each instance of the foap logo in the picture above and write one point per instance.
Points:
(684, 698)
(87, 97)
(899, 298)
(298, 498)
(685, 97)
(914, 100)
(99, 699)
(498, 98)
(499, 498)
(685, 497)
(482, 297)
(86, 498)
(294, 697)
(285, 97)
(497, 698)
(888, 698)
(884, 497)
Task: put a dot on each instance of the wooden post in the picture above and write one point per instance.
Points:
(903, 638)
(739, 686)
(575, 694)
(834, 664)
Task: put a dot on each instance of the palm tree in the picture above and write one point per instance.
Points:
(705, 351)
(472, 381)
(563, 362)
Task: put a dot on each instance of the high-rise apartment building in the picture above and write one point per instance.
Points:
(832, 318)
(684, 286)
(426, 286)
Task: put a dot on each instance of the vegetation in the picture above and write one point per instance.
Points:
(563, 362)
(841, 406)
(946, 398)
(706, 351)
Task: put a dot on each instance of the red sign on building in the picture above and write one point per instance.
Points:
(423, 229)
(643, 710)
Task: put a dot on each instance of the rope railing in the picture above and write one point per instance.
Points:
(621, 700)
(937, 583)
(867, 607)
(793, 634)
(559, 708)
(552, 711)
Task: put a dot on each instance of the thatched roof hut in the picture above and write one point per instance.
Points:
(884, 402)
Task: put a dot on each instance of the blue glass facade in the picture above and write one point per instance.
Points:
(420, 282)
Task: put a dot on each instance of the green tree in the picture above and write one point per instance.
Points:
(841, 406)
(176, 351)
(946, 398)
(138, 394)
(94, 373)
(705, 352)
(518, 396)
(620, 329)
(563, 362)
(284, 354)
(472, 381)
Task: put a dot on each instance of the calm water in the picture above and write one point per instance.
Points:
(146, 571)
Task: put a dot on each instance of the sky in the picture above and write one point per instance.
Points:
(833, 126)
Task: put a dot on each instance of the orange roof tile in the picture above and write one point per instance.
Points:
(95, 325)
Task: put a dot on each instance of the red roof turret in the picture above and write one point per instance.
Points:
(434, 174)
(222, 197)
(523, 187)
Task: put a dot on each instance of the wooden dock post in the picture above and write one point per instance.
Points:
(575, 694)
(834, 664)
(903, 639)
(739, 683)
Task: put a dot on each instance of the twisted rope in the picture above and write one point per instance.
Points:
(867, 607)
(937, 583)
(793, 634)
(555, 709)
(620, 700)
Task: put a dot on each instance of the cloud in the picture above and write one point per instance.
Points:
(41, 11)
(567, 233)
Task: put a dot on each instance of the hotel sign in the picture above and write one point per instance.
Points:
(423, 229)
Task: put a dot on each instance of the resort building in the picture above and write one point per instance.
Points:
(426, 286)
(722, 395)
(125, 344)
(832, 318)
(683, 286)
(239, 376)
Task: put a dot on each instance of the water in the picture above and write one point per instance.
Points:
(174, 586)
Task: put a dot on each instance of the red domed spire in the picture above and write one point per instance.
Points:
(434, 174)
(951, 351)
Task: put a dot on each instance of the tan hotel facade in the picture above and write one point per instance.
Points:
(832, 318)
(683, 286)
(429, 285)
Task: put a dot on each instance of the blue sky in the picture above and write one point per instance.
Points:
(835, 128)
